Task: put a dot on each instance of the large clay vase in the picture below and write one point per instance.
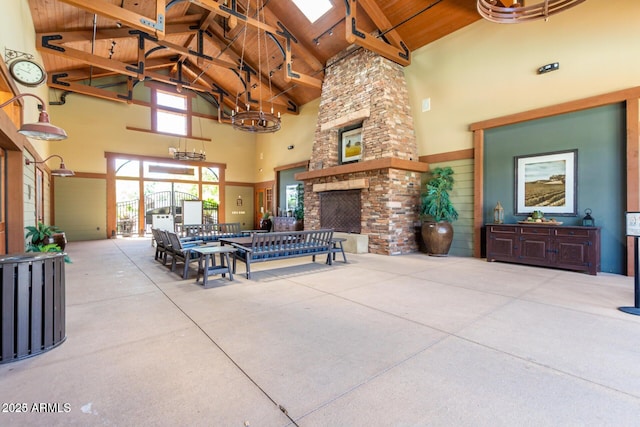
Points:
(60, 239)
(437, 237)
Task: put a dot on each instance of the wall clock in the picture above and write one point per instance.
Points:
(27, 72)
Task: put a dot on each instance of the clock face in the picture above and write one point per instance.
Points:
(27, 72)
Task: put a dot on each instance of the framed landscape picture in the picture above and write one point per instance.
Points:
(350, 145)
(546, 182)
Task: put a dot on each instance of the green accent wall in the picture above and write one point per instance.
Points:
(286, 177)
(239, 205)
(599, 135)
(462, 199)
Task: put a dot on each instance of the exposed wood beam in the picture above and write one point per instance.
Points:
(398, 54)
(289, 76)
(381, 21)
(154, 26)
(56, 82)
(113, 33)
(85, 73)
(88, 58)
(206, 20)
(52, 39)
(306, 55)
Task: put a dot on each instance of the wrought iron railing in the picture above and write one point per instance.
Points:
(160, 203)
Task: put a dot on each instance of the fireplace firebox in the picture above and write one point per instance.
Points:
(341, 210)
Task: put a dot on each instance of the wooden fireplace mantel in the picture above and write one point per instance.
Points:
(377, 164)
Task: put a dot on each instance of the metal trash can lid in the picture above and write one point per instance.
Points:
(29, 256)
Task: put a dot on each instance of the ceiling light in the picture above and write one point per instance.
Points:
(61, 171)
(495, 11)
(43, 129)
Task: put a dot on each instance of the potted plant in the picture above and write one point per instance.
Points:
(298, 212)
(46, 238)
(43, 234)
(438, 211)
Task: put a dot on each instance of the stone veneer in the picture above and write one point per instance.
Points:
(369, 89)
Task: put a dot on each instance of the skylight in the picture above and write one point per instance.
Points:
(313, 9)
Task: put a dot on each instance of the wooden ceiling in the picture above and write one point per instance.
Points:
(104, 48)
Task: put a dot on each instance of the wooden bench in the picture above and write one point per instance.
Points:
(211, 232)
(261, 247)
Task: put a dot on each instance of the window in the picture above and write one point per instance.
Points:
(313, 10)
(170, 112)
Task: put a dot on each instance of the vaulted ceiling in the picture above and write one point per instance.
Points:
(104, 48)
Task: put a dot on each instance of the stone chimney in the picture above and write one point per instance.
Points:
(365, 88)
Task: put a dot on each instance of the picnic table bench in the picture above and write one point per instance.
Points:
(261, 247)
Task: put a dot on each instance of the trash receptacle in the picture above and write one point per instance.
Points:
(32, 299)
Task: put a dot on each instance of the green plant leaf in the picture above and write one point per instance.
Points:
(435, 202)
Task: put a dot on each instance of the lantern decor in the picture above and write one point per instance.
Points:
(588, 220)
(498, 214)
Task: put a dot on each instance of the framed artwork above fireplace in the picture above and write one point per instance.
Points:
(350, 144)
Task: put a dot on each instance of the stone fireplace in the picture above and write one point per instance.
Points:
(367, 89)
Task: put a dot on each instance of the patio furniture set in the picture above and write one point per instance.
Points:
(200, 244)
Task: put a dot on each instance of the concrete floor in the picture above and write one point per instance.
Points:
(380, 341)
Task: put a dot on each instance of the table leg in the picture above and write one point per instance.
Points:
(206, 270)
(226, 256)
(200, 267)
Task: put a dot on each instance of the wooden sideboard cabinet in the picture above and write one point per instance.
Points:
(571, 248)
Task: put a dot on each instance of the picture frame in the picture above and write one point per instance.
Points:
(547, 182)
(350, 144)
(632, 220)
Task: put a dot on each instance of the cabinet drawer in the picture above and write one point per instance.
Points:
(536, 231)
(573, 232)
(502, 229)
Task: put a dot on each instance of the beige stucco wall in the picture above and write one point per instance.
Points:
(299, 131)
(488, 70)
(483, 71)
(95, 126)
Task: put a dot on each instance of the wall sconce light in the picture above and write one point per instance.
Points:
(43, 129)
(61, 171)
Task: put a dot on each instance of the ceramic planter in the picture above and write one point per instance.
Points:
(437, 237)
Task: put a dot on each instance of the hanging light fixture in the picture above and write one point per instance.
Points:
(183, 153)
(243, 117)
(43, 129)
(61, 171)
(522, 10)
